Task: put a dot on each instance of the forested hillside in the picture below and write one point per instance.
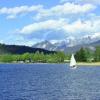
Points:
(15, 49)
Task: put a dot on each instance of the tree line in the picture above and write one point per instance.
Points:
(83, 55)
(87, 55)
(34, 58)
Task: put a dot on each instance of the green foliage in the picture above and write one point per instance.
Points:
(38, 57)
(83, 55)
(67, 56)
(26, 56)
(86, 55)
(6, 58)
(60, 56)
(34, 57)
(97, 53)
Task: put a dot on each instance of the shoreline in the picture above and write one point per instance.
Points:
(78, 63)
(33, 63)
(89, 64)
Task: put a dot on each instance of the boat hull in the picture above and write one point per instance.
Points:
(73, 67)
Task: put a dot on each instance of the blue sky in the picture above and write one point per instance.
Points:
(30, 21)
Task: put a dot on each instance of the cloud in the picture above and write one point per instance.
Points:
(17, 39)
(93, 36)
(11, 16)
(65, 9)
(69, 19)
(40, 12)
(96, 2)
(96, 35)
(82, 27)
(1, 41)
(76, 28)
(13, 12)
(45, 25)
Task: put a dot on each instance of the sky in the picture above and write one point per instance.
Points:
(26, 22)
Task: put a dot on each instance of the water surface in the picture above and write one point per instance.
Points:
(48, 82)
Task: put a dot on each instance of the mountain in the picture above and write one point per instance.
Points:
(16, 49)
(45, 45)
(90, 46)
(64, 46)
(58, 46)
(96, 43)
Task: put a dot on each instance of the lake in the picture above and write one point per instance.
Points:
(49, 82)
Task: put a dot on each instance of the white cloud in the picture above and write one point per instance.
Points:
(75, 28)
(81, 28)
(28, 42)
(17, 39)
(1, 41)
(41, 12)
(97, 2)
(64, 1)
(45, 25)
(96, 35)
(13, 12)
(54, 41)
(11, 17)
(91, 1)
(78, 27)
(65, 9)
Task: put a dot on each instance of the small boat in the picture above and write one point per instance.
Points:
(73, 62)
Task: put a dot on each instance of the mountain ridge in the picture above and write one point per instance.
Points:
(62, 46)
(20, 49)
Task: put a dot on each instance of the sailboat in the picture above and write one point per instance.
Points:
(73, 62)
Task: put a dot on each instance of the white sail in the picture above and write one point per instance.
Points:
(72, 61)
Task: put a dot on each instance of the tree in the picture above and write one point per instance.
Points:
(39, 57)
(97, 53)
(6, 58)
(26, 56)
(81, 55)
(60, 56)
